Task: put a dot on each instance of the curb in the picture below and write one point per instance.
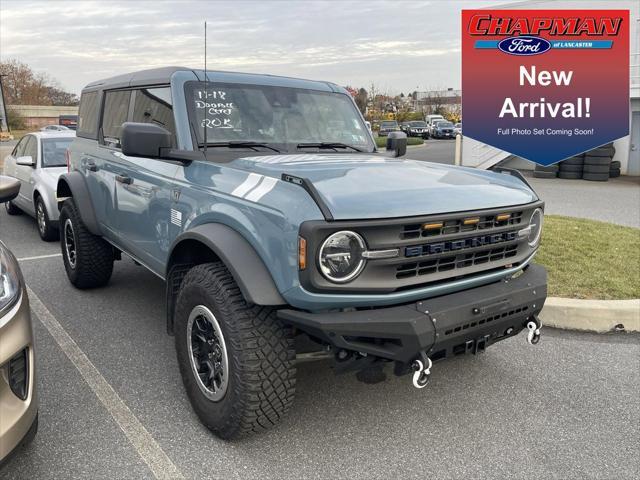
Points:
(591, 315)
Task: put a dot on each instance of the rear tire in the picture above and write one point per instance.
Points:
(570, 175)
(88, 259)
(596, 177)
(258, 349)
(589, 160)
(596, 169)
(47, 232)
(571, 168)
(12, 209)
(578, 160)
(606, 152)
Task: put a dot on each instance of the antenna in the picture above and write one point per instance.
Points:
(206, 110)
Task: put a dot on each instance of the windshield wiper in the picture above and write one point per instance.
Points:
(240, 144)
(333, 145)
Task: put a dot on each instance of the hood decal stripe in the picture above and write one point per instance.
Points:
(266, 185)
(250, 182)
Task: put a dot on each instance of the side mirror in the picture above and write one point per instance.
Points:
(9, 188)
(26, 161)
(397, 142)
(144, 139)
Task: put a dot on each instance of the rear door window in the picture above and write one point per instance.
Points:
(116, 112)
(88, 115)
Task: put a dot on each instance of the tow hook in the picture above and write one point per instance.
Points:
(534, 325)
(422, 370)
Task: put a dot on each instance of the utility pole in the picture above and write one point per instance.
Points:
(4, 123)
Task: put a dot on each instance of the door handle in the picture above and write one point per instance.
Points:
(92, 167)
(124, 179)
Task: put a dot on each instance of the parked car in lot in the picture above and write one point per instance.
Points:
(267, 224)
(388, 126)
(442, 129)
(55, 128)
(431, 119)
(18, 396)
(417, 128)
(457, 128)
(37, 161)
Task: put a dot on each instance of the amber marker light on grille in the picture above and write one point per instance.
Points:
(471, 221)
(432, 226)
(302, 253)
(502, 217)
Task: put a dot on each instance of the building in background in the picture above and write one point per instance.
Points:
(38, 116)
(438, 101)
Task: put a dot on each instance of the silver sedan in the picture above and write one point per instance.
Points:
(37, 161)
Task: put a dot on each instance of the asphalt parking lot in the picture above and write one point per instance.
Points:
(566, 408)
(434, 150)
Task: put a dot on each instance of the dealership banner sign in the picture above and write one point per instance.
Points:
(545, 84)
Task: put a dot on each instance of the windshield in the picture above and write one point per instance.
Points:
(389, 124)
(444, 125)
(418, 124)
(53, 152)
(281, 117)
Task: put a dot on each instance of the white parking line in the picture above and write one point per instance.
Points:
(146, 446)
(23, 259)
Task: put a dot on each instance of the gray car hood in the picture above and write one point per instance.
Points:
(364, 186)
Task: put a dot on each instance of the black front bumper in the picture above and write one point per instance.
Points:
(445, 326)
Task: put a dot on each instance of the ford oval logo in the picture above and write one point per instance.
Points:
(524, 45)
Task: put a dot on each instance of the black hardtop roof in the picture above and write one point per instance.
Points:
(141, 77)
(163, 76)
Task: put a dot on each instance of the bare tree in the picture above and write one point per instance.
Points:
(61, 98)
(23, 86)
(435, 102)
(361, 100)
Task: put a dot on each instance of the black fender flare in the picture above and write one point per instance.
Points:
(231, 248)
(74, 185)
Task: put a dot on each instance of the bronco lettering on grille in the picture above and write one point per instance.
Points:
(461, 244)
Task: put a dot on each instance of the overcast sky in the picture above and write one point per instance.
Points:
(401, 46)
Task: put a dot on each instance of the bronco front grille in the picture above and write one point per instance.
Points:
(452, 262)
(458, 225)
(432, 249)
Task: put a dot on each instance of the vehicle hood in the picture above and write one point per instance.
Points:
(363, 186)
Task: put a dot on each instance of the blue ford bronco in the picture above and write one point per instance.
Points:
(280, 230)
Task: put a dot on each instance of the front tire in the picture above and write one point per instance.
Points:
(88, 259)
(214, 324)
(47, 232)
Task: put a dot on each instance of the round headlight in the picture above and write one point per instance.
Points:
(535, 224)
(340, 256)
